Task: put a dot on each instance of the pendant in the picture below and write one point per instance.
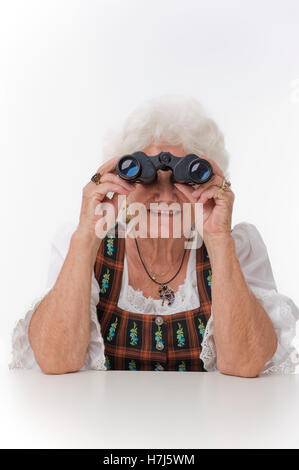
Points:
(166, 293)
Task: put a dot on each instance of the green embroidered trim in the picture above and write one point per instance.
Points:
(107, 363)
(158, 335)
(132, 365)
(180, 336)
(209, 277)
(133, 335)
(105, 281)
(112, 330)
(201, 327)
(110, 247)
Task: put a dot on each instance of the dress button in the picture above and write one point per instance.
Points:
(160, 346)
(159, 321)
(159, 367)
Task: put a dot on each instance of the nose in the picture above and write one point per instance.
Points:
(163, 188)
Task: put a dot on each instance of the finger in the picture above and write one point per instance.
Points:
(104, 188)
(215, 180)
(117, 180)
(212, 192)
(108, 166)
(216, 169)
(208, 194)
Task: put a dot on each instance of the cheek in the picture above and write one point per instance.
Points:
(138, 195)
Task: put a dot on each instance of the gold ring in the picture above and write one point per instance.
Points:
(96, 178)
(224, 187)
(226, 184)
(219, 192)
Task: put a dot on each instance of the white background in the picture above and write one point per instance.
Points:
(70, 69)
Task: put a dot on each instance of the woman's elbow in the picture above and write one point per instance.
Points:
(248, 370)
(237, 372)
(57, 367)
(54, 370)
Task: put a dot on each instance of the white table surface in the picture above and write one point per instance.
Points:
(127, 409)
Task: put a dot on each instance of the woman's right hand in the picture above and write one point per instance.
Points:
(93, 194)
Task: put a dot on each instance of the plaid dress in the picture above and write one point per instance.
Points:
(137, 341)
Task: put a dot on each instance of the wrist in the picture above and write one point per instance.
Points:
(216, 238)
(219, 244)
(89, 243)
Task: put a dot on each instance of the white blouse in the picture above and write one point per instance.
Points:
(255, 265)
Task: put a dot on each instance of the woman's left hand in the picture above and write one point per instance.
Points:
(217, 211)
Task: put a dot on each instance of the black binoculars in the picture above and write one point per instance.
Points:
(141, 168)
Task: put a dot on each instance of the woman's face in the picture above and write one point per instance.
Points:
(162, 191)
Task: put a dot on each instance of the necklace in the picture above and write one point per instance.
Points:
(154, 274)
(165, 292)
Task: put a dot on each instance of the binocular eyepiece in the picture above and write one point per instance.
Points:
(141, 168)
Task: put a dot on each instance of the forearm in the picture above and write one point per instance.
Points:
(59, 330)
(244, 335)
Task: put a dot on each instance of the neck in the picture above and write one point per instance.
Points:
(157, 252)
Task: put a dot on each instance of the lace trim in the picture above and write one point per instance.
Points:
(208, 352)
(186, 297)
(285, 367)
(184, 300)
(21, 351)
(282, 312)
(208, 356)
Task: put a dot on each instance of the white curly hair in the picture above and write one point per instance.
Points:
(173, 119)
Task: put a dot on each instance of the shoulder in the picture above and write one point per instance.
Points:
(253, 256)
(62, 237)
(248, 239)
(245, 230)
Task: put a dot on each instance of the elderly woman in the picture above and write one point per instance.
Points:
(148, 303)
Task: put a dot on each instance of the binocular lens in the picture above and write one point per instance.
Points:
(200, 172)
(129, 167)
